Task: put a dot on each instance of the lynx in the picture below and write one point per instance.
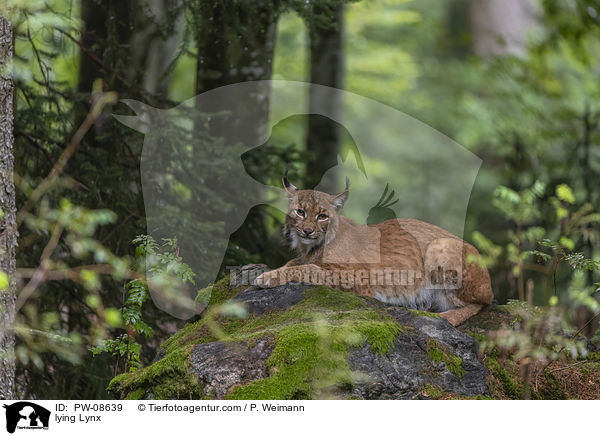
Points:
(403, 262)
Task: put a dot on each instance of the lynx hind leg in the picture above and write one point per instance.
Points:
(443, 264)
(461, 314)
(476, 283)
(449, 266)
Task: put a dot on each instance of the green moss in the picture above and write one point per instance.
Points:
(480, 338)
(437, 353)
(217, 293)
(167, 378)
(221, 292)
(482, 397)
(589, 368)
(424, 313)
(434, 392)
(138, 394)
(512, 389)
(199, 332)
(593, 356)
(195, 333)
(332, 299)
(118, 381)
(312, 340)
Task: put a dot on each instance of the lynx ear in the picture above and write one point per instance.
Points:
(339, 200)
(289, 188)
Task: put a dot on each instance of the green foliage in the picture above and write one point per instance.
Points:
(162, 261)
(519, 207)
(72, 234)
(163, 265)
(540, 336)
(125, 346)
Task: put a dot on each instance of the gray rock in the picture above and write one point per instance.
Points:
(221, 366)
(260, 300)
(406, 369)
(403, 373)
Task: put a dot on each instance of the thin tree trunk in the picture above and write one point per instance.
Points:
(500, 27)
(236, 43)
(155, 50)
(326, 68)
(8, 230)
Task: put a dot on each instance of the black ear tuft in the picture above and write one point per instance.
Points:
(339, 200)
(286, 182)
(289, 188)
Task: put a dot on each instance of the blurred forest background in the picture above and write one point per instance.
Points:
(514, 81)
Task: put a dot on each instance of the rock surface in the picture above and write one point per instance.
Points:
(221, 366)
(409, 368)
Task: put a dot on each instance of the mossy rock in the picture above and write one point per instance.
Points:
(302, 342)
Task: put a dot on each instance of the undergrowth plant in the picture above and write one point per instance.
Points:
(163, 266)
(540, 335)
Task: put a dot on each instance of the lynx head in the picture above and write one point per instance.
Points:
(313, 217)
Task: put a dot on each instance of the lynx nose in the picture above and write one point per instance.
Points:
(308, 231)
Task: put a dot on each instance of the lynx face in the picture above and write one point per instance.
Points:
(313, 217)
(309, 218)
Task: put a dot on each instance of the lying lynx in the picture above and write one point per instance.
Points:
(405, 262)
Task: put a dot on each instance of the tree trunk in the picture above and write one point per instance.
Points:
(236, 43)
(326, 68)
(8, 228)
(154, 49)
(500, 26)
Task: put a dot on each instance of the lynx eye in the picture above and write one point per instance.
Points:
(300, 213)
(322, 217)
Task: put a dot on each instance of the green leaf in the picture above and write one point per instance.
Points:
(4, 280)
(113, 317)
(90, 279)
(92, 300)
(561, 213)
(564, 193)
(567, 243)
(233, 309)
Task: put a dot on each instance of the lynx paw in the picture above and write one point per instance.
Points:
(285, 274)
(267, 279)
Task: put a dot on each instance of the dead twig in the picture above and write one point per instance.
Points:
(568, 366)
